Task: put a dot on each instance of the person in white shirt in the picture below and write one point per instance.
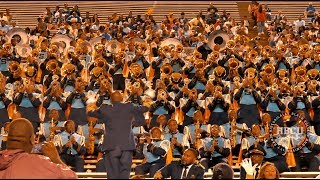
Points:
(2, 17)
(197, 21)
(299, 23)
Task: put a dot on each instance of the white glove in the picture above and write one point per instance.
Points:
(247, 166)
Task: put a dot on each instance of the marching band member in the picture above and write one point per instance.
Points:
(69, 77)
(307, 155)
(250, 138)
(117, 72)
(70, 146)
(54, 125)
(272, 104)
(77, 99)
(218, 108)
(96, 74)
(276, 153)
(28, 101)
(161, 107)
(215, 149)
(248, 99)
(197, 130)
(154, 150)
(190, 107)
(92, 132)
(4, 102)
(54, 100)
(178, 141)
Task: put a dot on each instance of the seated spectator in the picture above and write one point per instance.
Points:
(268, 171)
(222, 171)
(4, 28)
(309, 12)
(268, 12)
(299, 23)
(4, 18)
(74, 18)
(17, 156)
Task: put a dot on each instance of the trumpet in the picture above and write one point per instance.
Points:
(253, 54)
(199, 64)
(286, 80)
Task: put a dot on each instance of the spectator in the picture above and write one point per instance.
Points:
(74, 18)
(268, 12)
(261, 18)
(17, 156)
(310, 11)
(4, 28)
(279, 16)
(76, 10)
(4, 18)
(299, 23)
(268, 171)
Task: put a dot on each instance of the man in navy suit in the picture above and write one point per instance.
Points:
(187, 168)
(118, 143)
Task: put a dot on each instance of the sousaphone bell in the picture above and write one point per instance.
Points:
(218, 38)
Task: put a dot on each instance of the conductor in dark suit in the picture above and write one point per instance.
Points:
(187, 168)
(118, 143)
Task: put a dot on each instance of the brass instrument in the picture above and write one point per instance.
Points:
(317, 49)
(313, 73)
(268, 70)
(166, 69)
(135, 70)
(14, 68)
(96, 72)
(100, 62)
(282, 49)
(18, 33)
(233, 132)
(300, 71)
(179, 48)
(198, 136)
(231, 44)
(304, 48)
(196, 55)
(233, 63)
(67, 69)
(218, 37)
(267, 50)
(199, 64)
(52, 133)
(219, 71)
(30, 71)
(52, 66)
(90, 143)
(252, 54)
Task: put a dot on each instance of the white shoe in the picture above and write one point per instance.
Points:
(254, 27)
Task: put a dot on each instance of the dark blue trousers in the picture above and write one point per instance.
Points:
(118, 163)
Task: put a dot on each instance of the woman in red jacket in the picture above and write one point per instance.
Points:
(261, 18)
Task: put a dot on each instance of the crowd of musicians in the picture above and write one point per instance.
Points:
(220, 97)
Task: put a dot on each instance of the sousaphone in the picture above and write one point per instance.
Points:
(64, 39)
(171, 42)
(95, 41)
(19, 34)
(218, 38)
(113, 46)
(24, 50)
